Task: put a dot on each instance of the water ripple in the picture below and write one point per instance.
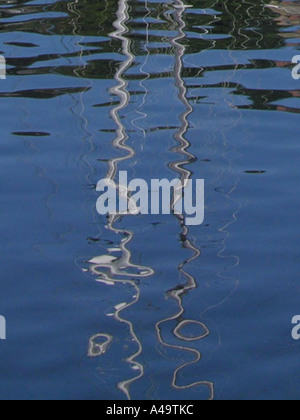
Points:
(160, 89)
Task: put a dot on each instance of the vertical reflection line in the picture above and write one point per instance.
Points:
(223, 273)
(121, 266)
(187, 157)
(140, 112)
(79, 72)
(120, 89)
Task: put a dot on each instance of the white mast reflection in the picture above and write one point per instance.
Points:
(109, 268)
(185, 174)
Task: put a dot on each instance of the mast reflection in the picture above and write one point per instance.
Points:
(111, 269)
(182, 148)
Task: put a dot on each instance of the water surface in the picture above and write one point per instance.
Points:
(146, 307)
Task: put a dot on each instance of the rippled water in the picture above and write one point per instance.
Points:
(145, 307)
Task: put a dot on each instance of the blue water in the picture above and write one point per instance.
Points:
(145, 307)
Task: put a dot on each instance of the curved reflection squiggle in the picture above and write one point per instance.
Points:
(120, 267)
(120, 90)
(97, 349)
(108, 267)
(178, 293)
(143, 115)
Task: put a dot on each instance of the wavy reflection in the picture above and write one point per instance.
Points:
(142, 115)
(115, 266)
(111, 269)
(229, 62)
(179, 292)
(289, 16)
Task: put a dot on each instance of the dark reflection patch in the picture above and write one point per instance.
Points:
(31, 134)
